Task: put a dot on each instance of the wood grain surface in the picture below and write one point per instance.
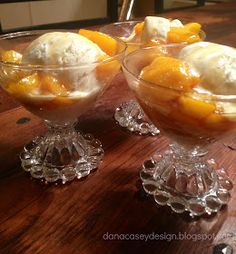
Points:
(80, 216)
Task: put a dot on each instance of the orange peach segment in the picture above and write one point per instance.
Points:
(138, 28)
(195, 108)
(8, 73)
(50, 84)
(193, 27)
(189, 33)
(25, 85)
(11, 56)
(171, 73)
(104, 41)
(178, 35)
(105, 71)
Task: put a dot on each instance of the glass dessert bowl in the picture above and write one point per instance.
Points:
(179, 90)
(153, 31)
(58, 75)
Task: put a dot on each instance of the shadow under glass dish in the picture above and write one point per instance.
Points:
(179, 177)
(63, 153)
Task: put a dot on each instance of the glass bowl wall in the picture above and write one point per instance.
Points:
(58, 94)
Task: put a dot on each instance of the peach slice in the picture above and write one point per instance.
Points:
(24, 86)
(195, 108)
(104, 41)
(189, 33)
(50, 84)
(11, 56)
(138, 28)
(171, 73)
(193, 27)
(8, 73)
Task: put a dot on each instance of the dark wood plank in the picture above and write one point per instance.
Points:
(76, 217)
(6, 101)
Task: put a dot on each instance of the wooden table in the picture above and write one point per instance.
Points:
(77, 217)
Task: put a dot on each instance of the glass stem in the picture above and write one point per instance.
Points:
(188, 159)
(60, 128)
(62, 154)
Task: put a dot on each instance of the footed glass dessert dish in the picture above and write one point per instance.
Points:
(57, 76)
(137, 34)
(180, 99)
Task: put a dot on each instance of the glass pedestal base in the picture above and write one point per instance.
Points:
(129, 115)
(63, 154)
(186, 183)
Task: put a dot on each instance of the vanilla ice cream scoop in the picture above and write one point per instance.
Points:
(216, 65)
(154, 29)
(61, 48)
(157, 28)
(66, 49)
